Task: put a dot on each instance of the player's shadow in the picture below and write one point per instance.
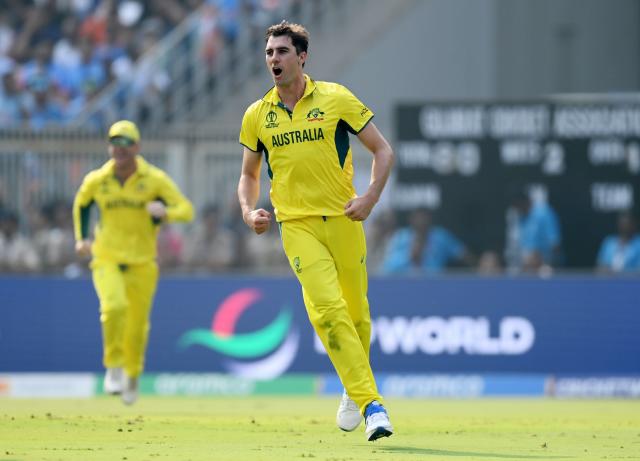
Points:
(433, 452)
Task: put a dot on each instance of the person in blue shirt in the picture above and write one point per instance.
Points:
(12, 111)
(621, 252)
(539, 235)
(423, 247)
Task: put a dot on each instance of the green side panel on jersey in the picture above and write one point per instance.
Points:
(85, 215)
(342, 141)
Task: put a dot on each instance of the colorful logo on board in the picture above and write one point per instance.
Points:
(262, 354)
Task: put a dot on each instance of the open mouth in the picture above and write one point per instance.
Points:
(277, 71)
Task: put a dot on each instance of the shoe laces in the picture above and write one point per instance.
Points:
(348, 402)
(374, 408)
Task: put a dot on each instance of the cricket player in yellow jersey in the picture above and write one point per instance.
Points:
(301, 127)
(133, 198)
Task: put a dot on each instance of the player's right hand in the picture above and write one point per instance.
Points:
(83, 247)
(259, 220)
(157, 209)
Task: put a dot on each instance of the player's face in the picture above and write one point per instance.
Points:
(282, 61)
(124, 156)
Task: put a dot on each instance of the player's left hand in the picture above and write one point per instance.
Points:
(359, 208)
(83, 248)
(157, 209)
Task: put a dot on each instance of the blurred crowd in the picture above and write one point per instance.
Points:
(533, 244)
(57, 55)
(219, 242)
(42, 241)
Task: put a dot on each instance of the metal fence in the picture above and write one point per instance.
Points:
(38, 168)
(186, 77)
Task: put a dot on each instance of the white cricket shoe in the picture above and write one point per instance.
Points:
(348, 417)
(376, 421)
(112, 383)
(129, 391)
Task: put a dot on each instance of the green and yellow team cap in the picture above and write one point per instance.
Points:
(124, 133)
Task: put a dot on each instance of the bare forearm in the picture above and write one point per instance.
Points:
(248, 193)
(359, 208)
(380, 170)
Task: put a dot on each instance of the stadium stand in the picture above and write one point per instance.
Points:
(184, 70)
(87, 63)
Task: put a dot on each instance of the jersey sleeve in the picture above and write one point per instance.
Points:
(82, 207)
(249, 131)
(179, 207)
(353, 112)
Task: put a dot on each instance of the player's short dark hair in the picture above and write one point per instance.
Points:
(299, 35)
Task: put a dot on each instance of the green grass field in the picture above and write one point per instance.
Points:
(281, 428)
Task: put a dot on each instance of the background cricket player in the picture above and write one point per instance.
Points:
(303, 126)
(133, 198)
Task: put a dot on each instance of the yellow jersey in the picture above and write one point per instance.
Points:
(307, 150)
(125, 232)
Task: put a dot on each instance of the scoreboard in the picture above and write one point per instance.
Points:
(466, 161)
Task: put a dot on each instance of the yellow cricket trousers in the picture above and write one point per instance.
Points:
(328, 256)
(126, 296)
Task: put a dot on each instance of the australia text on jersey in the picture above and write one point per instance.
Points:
(124, 203)
(292, 137)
